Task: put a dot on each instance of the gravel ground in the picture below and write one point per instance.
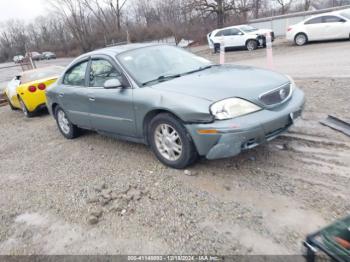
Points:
(97, 195)
(315, 60)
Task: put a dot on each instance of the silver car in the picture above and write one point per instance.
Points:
(179, 104)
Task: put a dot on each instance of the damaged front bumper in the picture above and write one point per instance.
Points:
(246, 132)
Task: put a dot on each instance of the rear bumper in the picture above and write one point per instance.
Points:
(39, 108)
(290, 36)
(246, 132)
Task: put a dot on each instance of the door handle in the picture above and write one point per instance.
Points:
(92, 99)
(60, 94)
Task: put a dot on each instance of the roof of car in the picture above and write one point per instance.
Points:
(229, 27)
(120, 48)
(113, 50)
(338, 12)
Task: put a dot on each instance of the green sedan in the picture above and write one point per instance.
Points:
(181, 105)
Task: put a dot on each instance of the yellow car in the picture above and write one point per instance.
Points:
(27, 90)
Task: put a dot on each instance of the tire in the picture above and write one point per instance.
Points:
(164, 148)
(300, 39)
(251, 45)
(25, 110)
(67, 129)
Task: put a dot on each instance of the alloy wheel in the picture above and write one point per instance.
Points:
(168, 142)
(251, 46)
(300, 39)
(63, 122)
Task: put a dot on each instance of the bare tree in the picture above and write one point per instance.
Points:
(116, 7)
(243, 7)
(307, 4)
(94, 6)
(77, 20)
(256, 7)
(285, 5)
(217, 7)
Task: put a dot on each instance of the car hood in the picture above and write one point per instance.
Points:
(220, 82)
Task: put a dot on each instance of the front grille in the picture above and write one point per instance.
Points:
(276, 96)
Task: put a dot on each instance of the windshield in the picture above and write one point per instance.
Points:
(160, 62)
(345, 14)
(41, 73)
(247, 28)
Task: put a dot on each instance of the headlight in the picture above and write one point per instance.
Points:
(292, 83)
(232, 107)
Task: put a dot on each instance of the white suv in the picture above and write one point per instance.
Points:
(329, 26)
(238, 36)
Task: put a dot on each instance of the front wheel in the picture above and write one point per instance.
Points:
(66, 127)
(170, 142)
(251, 45)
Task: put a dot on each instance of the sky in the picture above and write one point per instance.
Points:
(22, 9)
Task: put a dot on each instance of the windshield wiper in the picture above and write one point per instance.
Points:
(162, 79)
(199, 69)
(169, 77)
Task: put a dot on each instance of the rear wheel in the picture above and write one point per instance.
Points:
(251, 45)
(66, 127)
(300, 39)
(25, 110)
(170, 142)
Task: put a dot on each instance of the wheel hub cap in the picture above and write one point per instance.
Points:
(63, 122)
(168, 142)
(301, 40)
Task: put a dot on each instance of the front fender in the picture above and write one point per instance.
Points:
(187, 108)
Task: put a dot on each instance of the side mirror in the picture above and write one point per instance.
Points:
(112, 83)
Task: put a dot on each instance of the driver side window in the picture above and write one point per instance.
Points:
(101, 71)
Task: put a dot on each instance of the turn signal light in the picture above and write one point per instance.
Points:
(289, 29)
(207, 131)
(42, 86)
(32, 89)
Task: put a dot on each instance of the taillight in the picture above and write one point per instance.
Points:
(42, 86)
(289, 29)
(32, 89)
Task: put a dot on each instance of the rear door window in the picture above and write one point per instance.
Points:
(332, 19)
(235, 31)
(225, 32)
(76, 75)
(317, 20)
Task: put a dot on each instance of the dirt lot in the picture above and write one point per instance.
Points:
(323, 59)
(263, 201)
